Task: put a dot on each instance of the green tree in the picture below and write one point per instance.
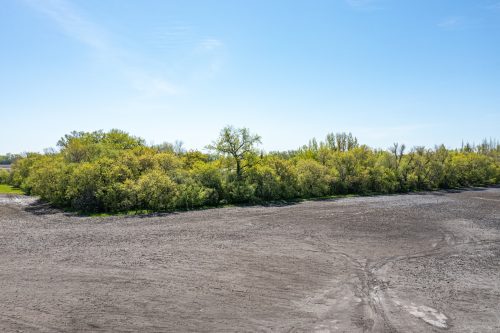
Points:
(238, 144)
(114, 171)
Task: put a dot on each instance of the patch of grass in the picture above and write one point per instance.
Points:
(7, 189)
(126, 213)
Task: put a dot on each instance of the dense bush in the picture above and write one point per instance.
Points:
(313, 178)
(113, 171)
(4, 176)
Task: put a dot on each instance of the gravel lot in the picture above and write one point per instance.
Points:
(403, 263)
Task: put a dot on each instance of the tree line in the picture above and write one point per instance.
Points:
(9, 158)
(115, 171)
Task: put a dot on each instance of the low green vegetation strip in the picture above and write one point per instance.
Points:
(7, 189)
(109, 172)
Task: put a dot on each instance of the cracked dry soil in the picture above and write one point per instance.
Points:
(425, 262)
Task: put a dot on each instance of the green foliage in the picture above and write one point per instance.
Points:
(314, 179)
(266, 182)
(210, 176)
(240, 191)
(192, 194)
(21, 170)
(49, 178)
(155, 190)
(114, 171)
(4, 176)
(237, 143)
(472, 169)
(84, 147)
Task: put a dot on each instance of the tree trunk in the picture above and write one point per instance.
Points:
(238, 168)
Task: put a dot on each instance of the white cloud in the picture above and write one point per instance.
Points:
(451, 23)
(90, 34)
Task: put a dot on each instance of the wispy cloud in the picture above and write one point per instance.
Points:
(210, 53)
(451, 23)
(76, 26)
(210, 44)
(73, 24)
(172, 36)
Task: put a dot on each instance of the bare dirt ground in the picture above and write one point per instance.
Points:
(404, 263)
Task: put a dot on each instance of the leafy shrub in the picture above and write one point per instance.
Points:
(21, 170)
(210, 177)
(114, 171)
(314, 179)
(266, 181)
(156, 191)
(4, 176)
(240, 192)
(191, 194)
(49, 179)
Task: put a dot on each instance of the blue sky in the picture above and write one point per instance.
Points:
(417, 72)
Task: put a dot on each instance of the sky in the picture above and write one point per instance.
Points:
(420, 72)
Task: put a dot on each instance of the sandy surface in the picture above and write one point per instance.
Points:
(404, 263)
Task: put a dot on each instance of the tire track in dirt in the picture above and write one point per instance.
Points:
(448, 245)
(367, 264)
(371, 313)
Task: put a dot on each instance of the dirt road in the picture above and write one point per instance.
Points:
(403, 263)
